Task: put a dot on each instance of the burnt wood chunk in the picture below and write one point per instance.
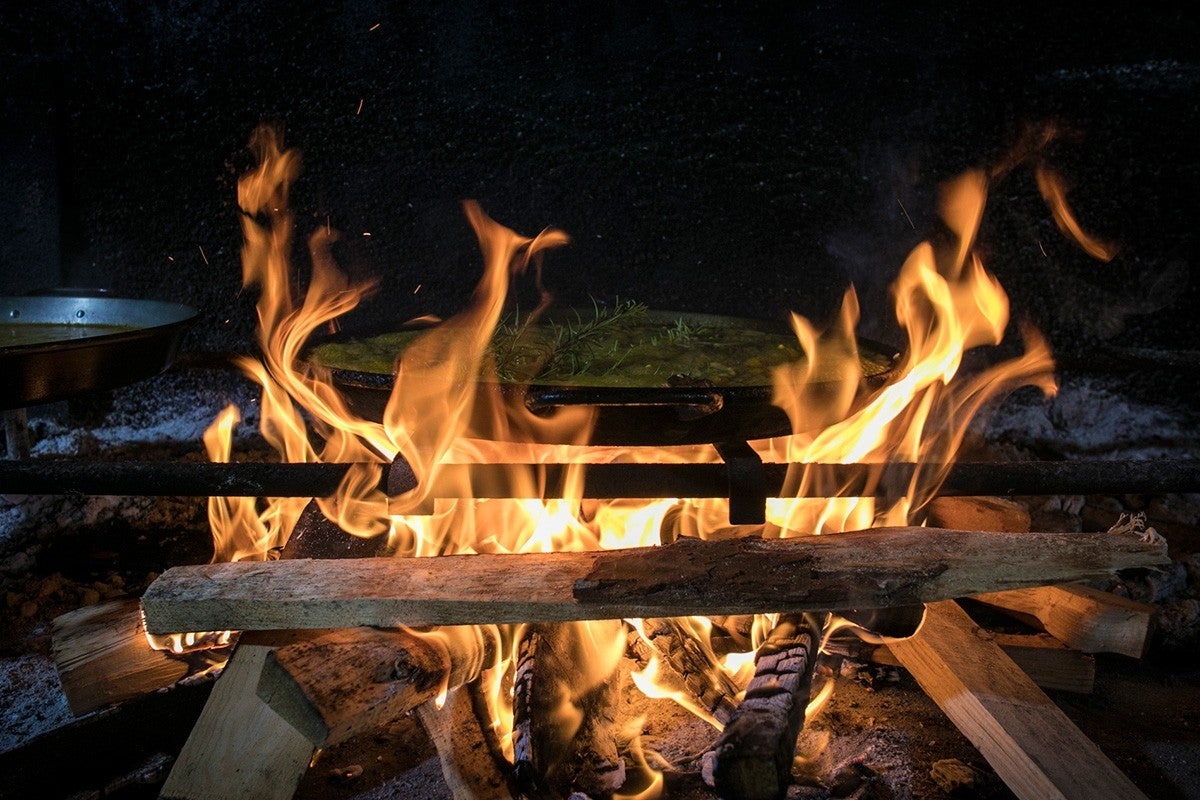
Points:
(752, 758)
(316, 536)
(689, 666)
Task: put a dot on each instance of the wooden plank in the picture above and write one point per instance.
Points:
(104, 658)
(1087, 619)
(1029, 741)
(876, 568)
(239, 746)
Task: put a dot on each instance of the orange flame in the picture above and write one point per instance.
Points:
(1051, 186)
(445, 408)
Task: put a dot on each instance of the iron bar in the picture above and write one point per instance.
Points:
(649, 480)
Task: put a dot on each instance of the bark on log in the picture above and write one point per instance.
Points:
(876, 568)
(752, 758)
(350, 681)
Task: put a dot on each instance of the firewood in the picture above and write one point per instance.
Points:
(979, 514)
(468, 762)
(1051, 664)
(876, 568)
(685, 664)
(1048, 662)
(103, 657)
(752, 758)
(239, 746)
(353, 680)
(1087, 619)
(1029, 741)
(564, 712)
(732, 633)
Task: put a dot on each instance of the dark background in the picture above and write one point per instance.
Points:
(727, 158)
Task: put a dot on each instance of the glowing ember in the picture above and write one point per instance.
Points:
(437, 414)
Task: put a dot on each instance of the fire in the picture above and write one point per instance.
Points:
(440, 413)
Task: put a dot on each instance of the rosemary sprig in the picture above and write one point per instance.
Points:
(525, 352)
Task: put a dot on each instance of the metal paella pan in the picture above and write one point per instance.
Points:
(56, 346)
(692, 408)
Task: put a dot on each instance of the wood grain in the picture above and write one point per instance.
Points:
(1029, 741)
(876, 568)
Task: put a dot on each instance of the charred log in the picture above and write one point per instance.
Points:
(564, 719)
(689, 664)
(752, 759)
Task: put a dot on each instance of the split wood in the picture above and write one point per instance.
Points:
(103, 657)
(1034, 748)
(1048, 662)
(1087, 619)
(469, 763)
(239, 746)
(876, 568)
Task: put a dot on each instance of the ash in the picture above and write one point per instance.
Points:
(878, 736)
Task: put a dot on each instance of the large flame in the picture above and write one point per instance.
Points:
(440, 412)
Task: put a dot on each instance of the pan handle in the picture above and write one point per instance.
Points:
(690, 402)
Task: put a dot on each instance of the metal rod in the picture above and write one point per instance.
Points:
(203, 479)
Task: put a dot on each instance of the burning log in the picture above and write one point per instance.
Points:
(876, 568)
(1028, 740)
(350, 681)
(564, 714)
(693, 666)
(752, 759)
